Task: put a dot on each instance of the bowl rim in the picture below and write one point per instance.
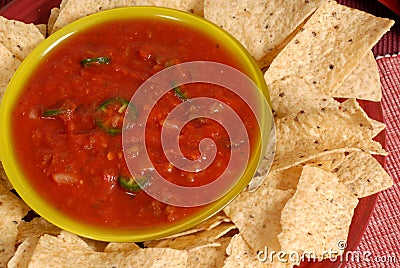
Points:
(46, 210)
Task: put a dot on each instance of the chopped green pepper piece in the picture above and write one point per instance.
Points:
(123, 102)
(180, 94)
(111, 131)
(54, 112)
(130, 184)
(123, 105)
(98, 60)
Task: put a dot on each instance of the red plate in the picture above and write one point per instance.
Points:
(392, 4)
(38, 11)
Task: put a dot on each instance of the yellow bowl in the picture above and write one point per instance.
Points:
(46, 210)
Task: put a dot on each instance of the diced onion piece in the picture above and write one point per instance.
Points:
(64, 178)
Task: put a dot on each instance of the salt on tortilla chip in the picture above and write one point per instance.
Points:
(318, 215)
(362, 174)
(76, 9)
(209, 256)
(240, 254)
(68, 250)
(193, 241)
(36, 228)
(257, 216)
(289, 96)
(9, 64)
(307, 135)
(11, 213)
(261, 26)
(23, 253)
(363, 82)
(330, 46)
(18, 37)
(118, 247)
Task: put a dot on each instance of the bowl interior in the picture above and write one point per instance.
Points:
(33, 198)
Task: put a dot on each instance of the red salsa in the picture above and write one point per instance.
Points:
(67, 121)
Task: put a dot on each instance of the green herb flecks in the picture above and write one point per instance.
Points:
(97, 60)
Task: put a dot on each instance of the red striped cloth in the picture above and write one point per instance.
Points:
(380, 245)
(381, 241)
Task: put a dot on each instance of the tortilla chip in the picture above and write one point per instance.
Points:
(261, 26)
(52, 19)
(330, 46)
(205, 225)
(11, 213)
(9, 64)
(289, 96)
(363, 82)
(95, 244)
(63, 3)
(318, 215)
(5, 182)
(36, 228)
(42, 29)
(118, 247)
(377, 127)
(76, 9)
(307, 135)
(18, 37)
(193, 241)
(209, 256)
(214, 221)
(68, 250)
(265, 163)
(284, 180)
(23, 253)
(363, 174)
(257, 216)
(287, 179)
(240, 254)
